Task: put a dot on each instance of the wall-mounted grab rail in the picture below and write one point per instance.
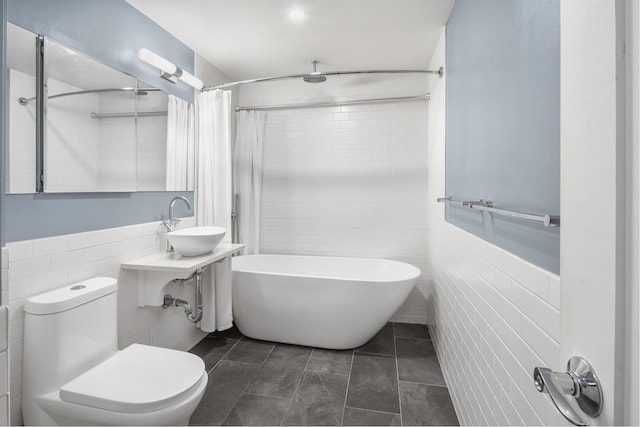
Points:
(487, 206)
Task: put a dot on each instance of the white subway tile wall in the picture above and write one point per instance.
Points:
(77, 160)
(71, 157)
(36, 266)
(493, 317)
(22, 132)
(347, 181)
(4, 341)
(116, 156)
(151, 152)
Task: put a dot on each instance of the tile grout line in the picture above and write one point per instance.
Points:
(249, 382)
(371, 410)
(427, 384)
(223, 356)
(297, 387)
(413, 338)
(375, 354)
(323, 372)
(346, 394)
(395, 349)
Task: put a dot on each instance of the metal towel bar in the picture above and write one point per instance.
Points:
(487, 206)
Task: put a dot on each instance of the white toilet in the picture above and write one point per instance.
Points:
(75, 375)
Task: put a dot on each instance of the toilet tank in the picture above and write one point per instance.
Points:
(68, 331)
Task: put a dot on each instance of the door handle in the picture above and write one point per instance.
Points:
(579, 381)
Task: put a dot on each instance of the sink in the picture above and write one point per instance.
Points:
(196, 241)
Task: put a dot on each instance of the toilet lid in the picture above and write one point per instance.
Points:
(139, 378)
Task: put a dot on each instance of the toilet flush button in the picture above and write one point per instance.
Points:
(77, 287)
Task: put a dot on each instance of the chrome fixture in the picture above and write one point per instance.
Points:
(579, 381)
(170, 71)
(192, 316)
(439, 72)
(139, 92)
(424, 97)
(235, 232)
(172, 221)
(546, 220)
(315, 76)
(95, 115)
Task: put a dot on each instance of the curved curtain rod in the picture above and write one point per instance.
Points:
(439, 72)
(25, 101)
(424, 97)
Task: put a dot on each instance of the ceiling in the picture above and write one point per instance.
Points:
(255, 38)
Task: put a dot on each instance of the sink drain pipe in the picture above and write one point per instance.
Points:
(194, 316)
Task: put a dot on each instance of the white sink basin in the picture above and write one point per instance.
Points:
(196, 241)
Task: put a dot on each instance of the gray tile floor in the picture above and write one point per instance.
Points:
(394, 379)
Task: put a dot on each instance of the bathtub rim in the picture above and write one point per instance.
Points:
(412, 268)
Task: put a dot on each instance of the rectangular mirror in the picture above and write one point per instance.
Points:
(90, 140)
(103, 130)
(21, 149)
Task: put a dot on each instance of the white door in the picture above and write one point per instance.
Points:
(594, 184)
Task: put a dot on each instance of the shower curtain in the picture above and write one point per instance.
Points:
(213, 189)
(247, 176)
(180, 145)
(213, 200)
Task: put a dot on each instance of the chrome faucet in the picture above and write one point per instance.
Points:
(170, 224)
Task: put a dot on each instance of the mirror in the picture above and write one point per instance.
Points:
(151, 134)
(90, 140)
(21, 75)
(104, 131)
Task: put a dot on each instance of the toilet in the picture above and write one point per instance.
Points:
(75, 375)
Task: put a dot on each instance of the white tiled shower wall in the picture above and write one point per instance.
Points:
(493, 316)
(66, 150)
(36, 266)
(83, 153)
(347, 181)
(4, 344)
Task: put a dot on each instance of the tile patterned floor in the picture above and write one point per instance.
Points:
(392, 380)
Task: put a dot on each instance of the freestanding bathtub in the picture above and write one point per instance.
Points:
(327, 302)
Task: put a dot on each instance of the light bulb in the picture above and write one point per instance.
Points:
(191, 80)
(157, 61)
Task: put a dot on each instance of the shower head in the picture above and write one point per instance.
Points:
(315, 76)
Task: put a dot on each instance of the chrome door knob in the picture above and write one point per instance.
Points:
(537, 380)
(579, 382)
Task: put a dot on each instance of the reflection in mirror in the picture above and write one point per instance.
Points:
(151, 131)
(21, 64)
(166, 142)
(90, 143)
(103, 130)
(180, 145)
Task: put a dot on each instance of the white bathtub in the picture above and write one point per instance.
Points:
(326, 302)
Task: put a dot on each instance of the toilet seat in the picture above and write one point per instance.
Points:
(137, 379)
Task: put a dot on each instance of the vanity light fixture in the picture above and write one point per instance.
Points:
(170, 71)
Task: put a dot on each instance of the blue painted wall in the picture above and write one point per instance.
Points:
(111, 31)
(32, 216)
(503, 121)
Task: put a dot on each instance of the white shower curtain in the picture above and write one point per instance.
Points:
(213, 200)
(180, 145)
(247, 176)
(213, 189)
